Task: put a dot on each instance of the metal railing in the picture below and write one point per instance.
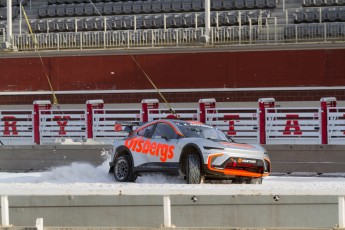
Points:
(229, 35)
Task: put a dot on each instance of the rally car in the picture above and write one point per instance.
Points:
(190, 149)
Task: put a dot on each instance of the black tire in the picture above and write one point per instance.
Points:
(123, 171)
(193, 169)
(254, 181)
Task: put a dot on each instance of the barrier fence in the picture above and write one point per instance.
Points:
(264, 125)
(270, 33)
(166, 194)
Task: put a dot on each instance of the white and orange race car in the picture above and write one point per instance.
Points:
(190, 149)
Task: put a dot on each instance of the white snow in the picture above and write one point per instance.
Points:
(85, 177)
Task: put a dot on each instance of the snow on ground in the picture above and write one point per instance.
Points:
(85, 176)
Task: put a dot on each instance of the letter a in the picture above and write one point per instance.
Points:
(292, 124)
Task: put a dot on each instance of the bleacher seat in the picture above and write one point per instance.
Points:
(330, 15)
(117, 8)
(51, 10)
(198, 5)
(127, 22)
(42, 12)
(216, 5)
(158, 21)
(98, 8)
(299, 16)
(69, 25)
(39, 26)
(116, 23)
(139, 20)
(59, 24)
(249, 4)
(189, 19)
(99, 24)
(271, 4)
(146, 7)
(341, 15)
(239, 4)
(127, 7)
(228, 4)
(3, 3)
(187, 5)
(156, 6)
(89, 10)
(89, 24)
(311, 16)
(60, 10)
(136, 7)
(166, 6)
(79, 9)
(176, 5)
(147, 22)
(108, 8)
(260, 4)
(69, 10)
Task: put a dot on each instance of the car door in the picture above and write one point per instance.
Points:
(163, 150)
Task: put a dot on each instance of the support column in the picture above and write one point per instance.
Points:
(207, 20)
(5, 216)
(341, 207)
(167, 211)
(90, 106)
(39, 105)
(263, 104)
(204, 104)
(146, 105)
(9, 22)
(326, 102)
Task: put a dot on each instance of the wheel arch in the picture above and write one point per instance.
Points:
(121, 151)
(186, 150)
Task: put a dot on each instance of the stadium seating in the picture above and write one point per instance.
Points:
(315, 15)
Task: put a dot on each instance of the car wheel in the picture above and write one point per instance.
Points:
(254, 181)
(193, 171)
(123, 171)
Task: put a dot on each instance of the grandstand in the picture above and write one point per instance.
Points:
(70, 24)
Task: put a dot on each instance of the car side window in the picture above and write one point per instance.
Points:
(164, 130)
(146, 132)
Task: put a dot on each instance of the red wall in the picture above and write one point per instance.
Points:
(184, 70)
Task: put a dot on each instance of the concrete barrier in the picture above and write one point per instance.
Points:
(307, 158)
(284, 158)
(207, 211)
(43, 157)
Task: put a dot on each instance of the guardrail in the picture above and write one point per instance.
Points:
(336, 125)
(230, 35)
(241, 124)
(166, 193)
(293, 126)
(265, 125)
(56, 125)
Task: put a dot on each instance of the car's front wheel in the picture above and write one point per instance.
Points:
(123, 171)
(193, 169)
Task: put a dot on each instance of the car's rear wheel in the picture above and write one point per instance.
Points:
(123, 171)
(193, 169)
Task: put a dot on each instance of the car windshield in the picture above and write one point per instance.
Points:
(201, 130)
